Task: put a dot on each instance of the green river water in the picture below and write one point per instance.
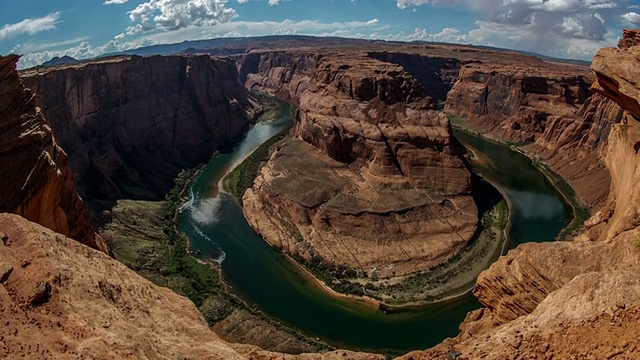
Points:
(263, 277)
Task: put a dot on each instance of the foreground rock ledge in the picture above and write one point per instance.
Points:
(60, 299)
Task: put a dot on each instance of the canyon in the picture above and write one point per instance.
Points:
(130, 124)
(539, 300)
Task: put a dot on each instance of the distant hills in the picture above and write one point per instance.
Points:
(65, 60)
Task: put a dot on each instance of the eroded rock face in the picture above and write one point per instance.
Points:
(375, 181)
(284, 74)
(36, 181)
(550, 107)
(130, 124)
(436, 74)
(540, 297)
(60, 299)
(516, 99)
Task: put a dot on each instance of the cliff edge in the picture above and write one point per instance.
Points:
(36, 182)
(130, 124)
(548, 299)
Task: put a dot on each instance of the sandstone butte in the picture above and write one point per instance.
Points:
(372, 180)
(61, 299)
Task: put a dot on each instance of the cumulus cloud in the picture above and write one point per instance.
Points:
(85, 50)
(632, 18)
(555, 27)
(271, 2)
(29, 26)
(177, 14)
(112, 2)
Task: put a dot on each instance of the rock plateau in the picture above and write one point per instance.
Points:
(373, 180)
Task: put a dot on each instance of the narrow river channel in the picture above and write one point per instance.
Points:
(260, 275)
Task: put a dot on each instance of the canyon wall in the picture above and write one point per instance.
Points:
(373, 179)
(284, 74)
(36, 182)
(546, 106)
(436, 74)
(130, 124)
(548, 299)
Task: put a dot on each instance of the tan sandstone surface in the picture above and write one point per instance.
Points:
(62, 300)
(374, 180)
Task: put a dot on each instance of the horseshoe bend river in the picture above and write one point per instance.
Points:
(263, 277)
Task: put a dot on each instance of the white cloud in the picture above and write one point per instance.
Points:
(33, 47)
(632, 17)
(85, 50)
(30, 26)
(554, 27)
(271, 2)
(177, 14)
(112, 2)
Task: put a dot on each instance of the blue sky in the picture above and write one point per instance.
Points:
(42, 29)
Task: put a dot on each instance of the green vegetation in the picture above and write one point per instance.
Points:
(338, 277)
(143, 237)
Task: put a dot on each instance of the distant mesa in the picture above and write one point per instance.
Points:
(65, 60)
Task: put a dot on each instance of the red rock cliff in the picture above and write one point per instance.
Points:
(130, 124)
(548, 299)
(384, 187)
(547, 105)
(36, 182)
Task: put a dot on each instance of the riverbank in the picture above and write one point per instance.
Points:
(138, 241)
(580, 211)
(449, 280)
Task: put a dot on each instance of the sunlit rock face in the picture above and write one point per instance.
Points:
(36, 182)
(373, 179)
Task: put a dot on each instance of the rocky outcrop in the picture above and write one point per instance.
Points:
(575, 147)
(541, 297)
(547, 106)
(436, 74)
(616, 79)
(62, 300)
(130, 124)
(284, 74)
(377, 184)
(36, 181)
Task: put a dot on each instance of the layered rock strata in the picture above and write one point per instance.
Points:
(130, 124)
(373, 181)
(549, 107)
(541, 297)
(36, 182)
